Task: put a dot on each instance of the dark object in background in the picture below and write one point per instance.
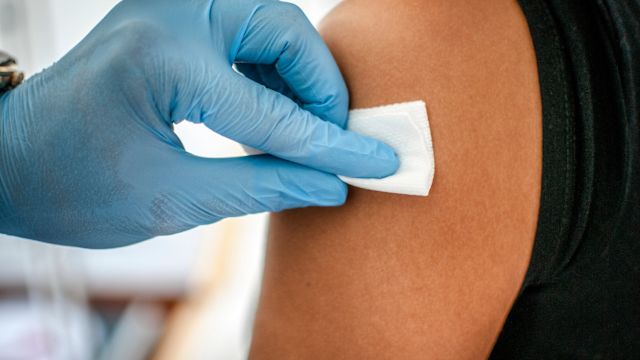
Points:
(10, 76)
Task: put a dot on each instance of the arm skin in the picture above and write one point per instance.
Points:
(400, 277)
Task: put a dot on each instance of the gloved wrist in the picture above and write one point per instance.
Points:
(7, 215)
(18, 157)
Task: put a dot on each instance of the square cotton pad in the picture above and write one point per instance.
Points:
(404, 127)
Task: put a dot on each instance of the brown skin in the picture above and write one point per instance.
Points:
(400, 277)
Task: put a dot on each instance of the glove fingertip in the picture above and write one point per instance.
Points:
(370, 158)
(336, 194)
(388, 162)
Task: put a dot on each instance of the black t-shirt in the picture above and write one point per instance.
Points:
(581, 295)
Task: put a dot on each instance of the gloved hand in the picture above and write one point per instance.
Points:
(87, 152)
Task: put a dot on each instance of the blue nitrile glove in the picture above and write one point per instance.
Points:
(87, 152)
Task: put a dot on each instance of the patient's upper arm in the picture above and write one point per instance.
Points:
(402, 277)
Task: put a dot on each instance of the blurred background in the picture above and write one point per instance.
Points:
(187, 296)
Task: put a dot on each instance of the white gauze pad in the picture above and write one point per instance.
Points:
(404, 127)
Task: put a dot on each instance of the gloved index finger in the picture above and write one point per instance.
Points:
(268, 121)
(279, 33)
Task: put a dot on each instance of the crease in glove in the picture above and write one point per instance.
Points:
(404, 127)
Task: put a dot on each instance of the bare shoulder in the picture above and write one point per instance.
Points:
(389, 276)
